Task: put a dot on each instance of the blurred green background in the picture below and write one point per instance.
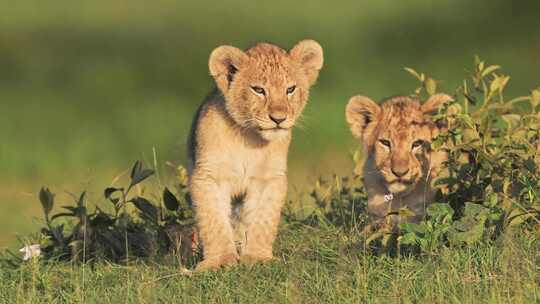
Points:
(88, 87)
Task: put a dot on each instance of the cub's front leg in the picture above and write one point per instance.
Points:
(213, 212)
(260, 216)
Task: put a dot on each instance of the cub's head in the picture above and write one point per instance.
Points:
(397, 137)
(266, 87)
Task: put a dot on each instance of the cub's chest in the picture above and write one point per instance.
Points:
(241, 164)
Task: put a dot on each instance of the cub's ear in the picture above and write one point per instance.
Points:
(224, 62)
(431, 106)
(310, 55)
(362, 114)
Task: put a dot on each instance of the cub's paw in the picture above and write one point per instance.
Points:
(215, 263)
(252, 259)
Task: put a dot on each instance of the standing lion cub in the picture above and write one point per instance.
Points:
(400, 164)
(238, 147)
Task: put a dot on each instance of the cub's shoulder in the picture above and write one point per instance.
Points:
(210, 106)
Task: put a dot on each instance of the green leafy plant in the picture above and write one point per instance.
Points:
(492, 179)
(428, 235)
(147, 231)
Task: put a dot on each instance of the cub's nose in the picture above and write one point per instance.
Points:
(278, 118)
(400, 172)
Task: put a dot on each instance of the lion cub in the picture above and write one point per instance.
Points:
(400, 165)
(238, 147)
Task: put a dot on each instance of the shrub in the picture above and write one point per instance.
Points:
(494, 154)
(152, 230)
(491, 178)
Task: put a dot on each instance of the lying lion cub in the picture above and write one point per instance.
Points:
(400, 164)
(238, 147)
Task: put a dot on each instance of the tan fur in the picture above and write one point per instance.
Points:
(400, 161)
(239, 144)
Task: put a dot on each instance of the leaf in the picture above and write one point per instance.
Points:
(65, 214)
(80, 202)
(71, 208)
(413, 72)
(467, 120)
(102, 219)
(112, 240)
(454, 109)
(477, 60)
(409, 227)
(474, 210)
(137, 168)
(469, 236)
(138, 173)
(480, 66)
(498, 83)
(516, 100)
(183, 176)
(47, 200)
(470, 98)
(408, 239)
(58, 233)
(405, 212)
(464, 224)
(492, 200)
(512, 120)
(147, 209)
(490, 69)
(431, 86)
(437, 143)
(442, 181)
(109, 191)
(170, 201)
(423, 243)
(535, 98)
(439, 210)
(530, 165)
(470, 135)
(517, 217)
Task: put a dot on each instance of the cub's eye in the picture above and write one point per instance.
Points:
(385, 143)
(418, 143)
(258, 90)
(291, 89)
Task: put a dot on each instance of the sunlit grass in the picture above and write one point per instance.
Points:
(312, 266)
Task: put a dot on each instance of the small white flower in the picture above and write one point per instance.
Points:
(30, 251)
(388, 197)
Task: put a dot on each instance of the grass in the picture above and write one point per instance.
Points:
(313, 265)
